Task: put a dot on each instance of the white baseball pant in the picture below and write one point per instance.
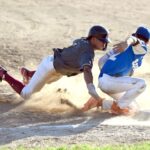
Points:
(45, 73)
(123, 90)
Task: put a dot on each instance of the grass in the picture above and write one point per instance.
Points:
(139, 146)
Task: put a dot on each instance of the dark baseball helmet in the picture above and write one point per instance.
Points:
(143, 33)
(100, 33)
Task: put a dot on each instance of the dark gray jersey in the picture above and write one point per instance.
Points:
(71, 60)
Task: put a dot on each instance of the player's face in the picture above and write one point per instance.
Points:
(99, 45)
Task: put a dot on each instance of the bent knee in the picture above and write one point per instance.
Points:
(141, 85)
(25, 94)
(103, 87)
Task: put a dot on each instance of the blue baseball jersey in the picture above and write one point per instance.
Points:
(124, 63)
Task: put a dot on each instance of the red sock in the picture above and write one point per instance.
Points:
(31, 73)
(15, 84)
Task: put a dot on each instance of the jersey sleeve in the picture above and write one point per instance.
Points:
(86, 60)
(104, 58)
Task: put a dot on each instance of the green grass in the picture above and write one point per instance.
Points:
(139, 146)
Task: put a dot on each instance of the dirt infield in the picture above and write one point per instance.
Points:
(28, 32)
(46, 129)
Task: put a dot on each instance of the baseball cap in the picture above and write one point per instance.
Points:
(144, 32)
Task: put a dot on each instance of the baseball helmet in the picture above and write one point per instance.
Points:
(100, 33)
(143, 32)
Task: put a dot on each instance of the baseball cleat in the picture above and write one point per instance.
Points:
(2, 73)
(25, 74)
(91, 103)
(116, 110)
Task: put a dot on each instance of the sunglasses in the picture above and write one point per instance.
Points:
(104, 38)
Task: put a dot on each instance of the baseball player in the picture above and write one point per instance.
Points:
(116, 71)
(70, 61)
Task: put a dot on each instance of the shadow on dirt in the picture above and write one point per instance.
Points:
(19, 125)
(142, 116)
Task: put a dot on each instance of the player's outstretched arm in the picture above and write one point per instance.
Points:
(104, 58)
(88, 77)
(95, 100)
(120, 47)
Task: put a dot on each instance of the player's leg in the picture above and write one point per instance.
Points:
(132, 87)
(42, 75)
(107, 104)
(44, 72)
(136, 89)
(125, 88)
(112, 105)
(15, 84)
(54, 77)
(26, 74)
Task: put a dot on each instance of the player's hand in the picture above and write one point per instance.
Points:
(120, 47)
(91, 103)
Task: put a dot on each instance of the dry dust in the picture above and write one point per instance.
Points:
(28, 32)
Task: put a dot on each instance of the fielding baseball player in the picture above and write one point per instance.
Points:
(116, 71)
(69, 61)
